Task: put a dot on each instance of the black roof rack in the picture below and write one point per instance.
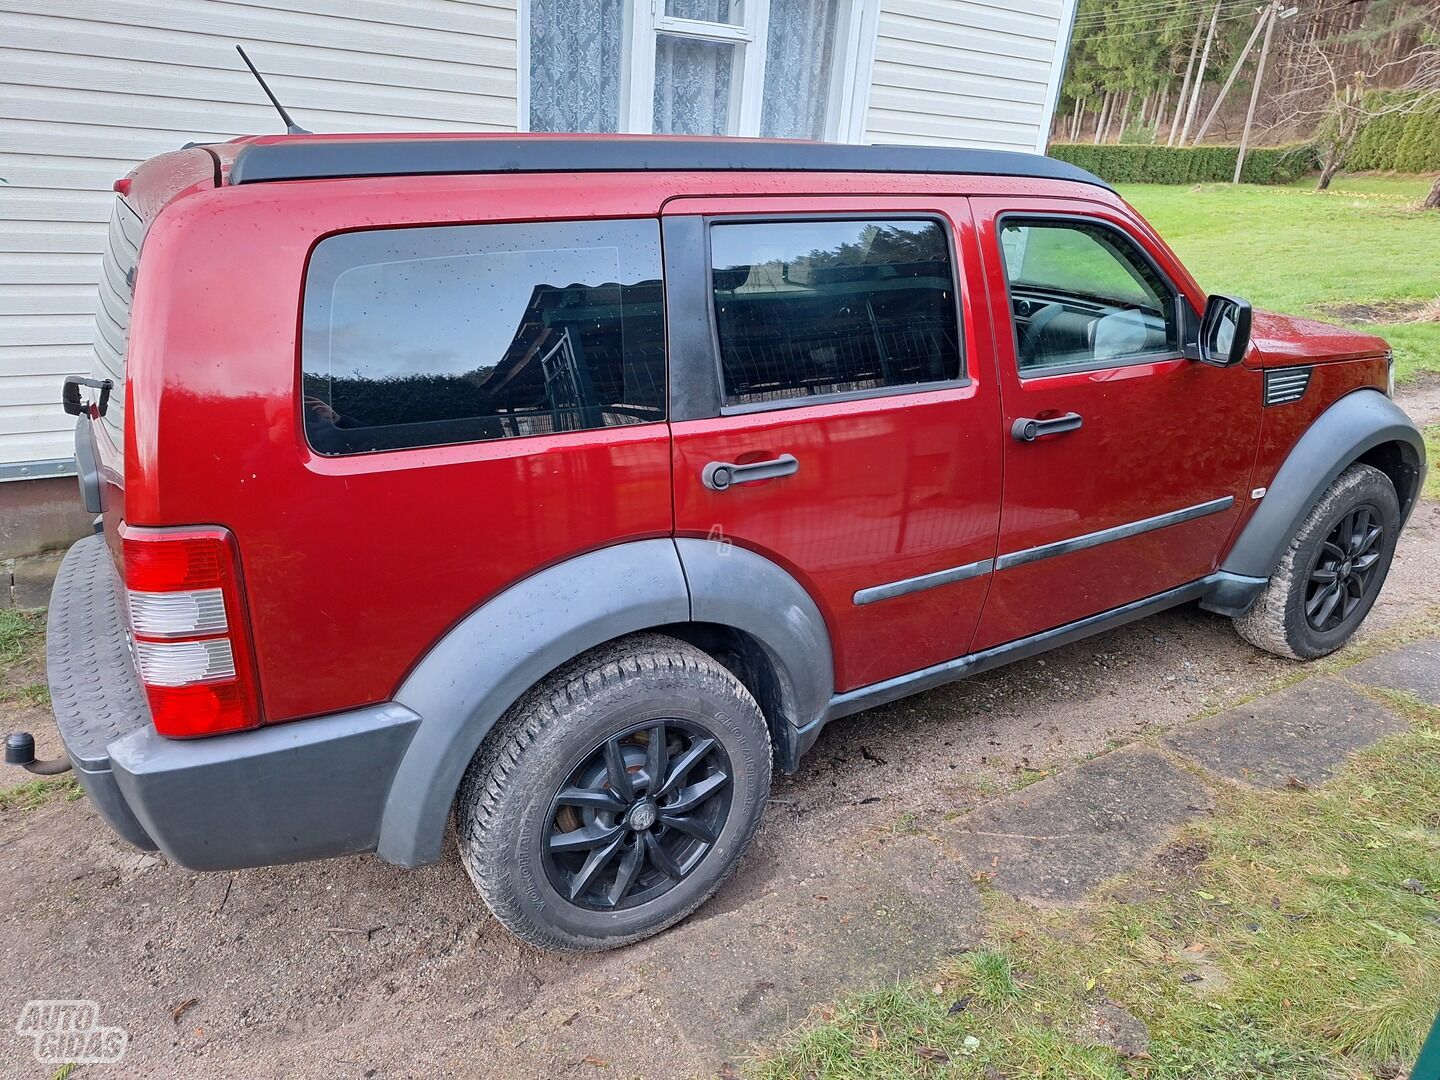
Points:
(328, 159)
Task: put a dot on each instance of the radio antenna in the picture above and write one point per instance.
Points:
(291, 128)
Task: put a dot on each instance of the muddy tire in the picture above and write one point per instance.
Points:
(1332, 570)
(615, 796)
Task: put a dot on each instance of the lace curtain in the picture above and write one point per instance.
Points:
(576, 49)
(692, 85)
(798, 61)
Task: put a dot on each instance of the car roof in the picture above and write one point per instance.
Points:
(289, 157)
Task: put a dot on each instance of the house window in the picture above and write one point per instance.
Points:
(786, 69)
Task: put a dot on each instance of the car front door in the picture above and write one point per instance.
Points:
(1125, 463)
(827, 416)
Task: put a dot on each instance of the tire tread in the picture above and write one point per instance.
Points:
(500, 766)
(1268, 624)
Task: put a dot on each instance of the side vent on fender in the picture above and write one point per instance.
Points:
(1284, 385)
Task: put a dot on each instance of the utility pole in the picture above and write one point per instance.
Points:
(1199, 89)
(1255, 90)
(1260, 25)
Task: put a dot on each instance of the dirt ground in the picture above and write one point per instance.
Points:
(356, 968)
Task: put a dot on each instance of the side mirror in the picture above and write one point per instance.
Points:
(1224, 331)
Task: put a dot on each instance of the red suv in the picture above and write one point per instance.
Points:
(565, 485)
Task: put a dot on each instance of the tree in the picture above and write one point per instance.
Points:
(1344, 101)
(1432, 201)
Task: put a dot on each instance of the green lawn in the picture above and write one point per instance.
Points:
(1296, 250)
(1305, 945)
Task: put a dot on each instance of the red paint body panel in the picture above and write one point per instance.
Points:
(1157, 437)
(1284, 424)
(354, 567)
(1286, 340)
(888, 488)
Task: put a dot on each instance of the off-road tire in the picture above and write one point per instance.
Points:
(504, 810)
(1277, 622)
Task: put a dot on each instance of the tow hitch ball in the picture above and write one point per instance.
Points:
(20, 750)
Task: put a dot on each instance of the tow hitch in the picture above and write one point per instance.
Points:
(20, 750)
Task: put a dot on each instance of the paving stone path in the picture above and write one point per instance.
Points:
(1050, 843)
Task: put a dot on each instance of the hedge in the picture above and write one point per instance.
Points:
(1120, 164)
(1405, 142)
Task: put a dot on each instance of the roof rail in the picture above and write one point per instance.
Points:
(331, 158)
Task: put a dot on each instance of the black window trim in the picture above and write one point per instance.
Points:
(840, 396)
(1179, 302)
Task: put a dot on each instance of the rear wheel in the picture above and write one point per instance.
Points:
(616, 796)
(1332, 571)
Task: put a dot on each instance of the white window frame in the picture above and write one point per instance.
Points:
(850, 77)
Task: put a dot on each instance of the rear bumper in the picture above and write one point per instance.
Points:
(306, 790)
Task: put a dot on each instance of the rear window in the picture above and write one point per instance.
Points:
(422, 337)
(112, 309)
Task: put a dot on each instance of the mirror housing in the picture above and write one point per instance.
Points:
(1224, 335)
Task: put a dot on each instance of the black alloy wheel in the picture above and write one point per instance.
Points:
(1345, 568)
(637, 814)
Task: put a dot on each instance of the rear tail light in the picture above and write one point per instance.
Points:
(192, 641)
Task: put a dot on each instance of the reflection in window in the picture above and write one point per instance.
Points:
(419, 337)
(1082, 295)
(821, 307)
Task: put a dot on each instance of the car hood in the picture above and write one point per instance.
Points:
(1288, 339)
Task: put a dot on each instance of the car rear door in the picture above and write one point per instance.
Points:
(829, 414)
(1125, 463)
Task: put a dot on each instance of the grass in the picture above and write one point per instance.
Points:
(34, 793)
(35, 694)
(1028, 776)
(1306, 943)
(1297, 250)
(19, 630)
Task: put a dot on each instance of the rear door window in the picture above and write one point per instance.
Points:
(807, 309)
(429, 336)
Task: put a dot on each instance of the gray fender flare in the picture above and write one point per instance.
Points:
(1355, 424)
(482, 666)
(736, 587)
(512, 641)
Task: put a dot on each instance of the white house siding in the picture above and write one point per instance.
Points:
(981, 73)
(88, 88)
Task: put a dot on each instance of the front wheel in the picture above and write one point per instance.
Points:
(1332, 571)
(615, 796)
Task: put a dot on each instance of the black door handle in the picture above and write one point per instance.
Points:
(1028, 430)
(720, 475)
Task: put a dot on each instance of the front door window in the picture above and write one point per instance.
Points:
(1082, 295)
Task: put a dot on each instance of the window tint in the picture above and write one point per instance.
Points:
(822, 307)
(417, 337)
(1082, 294)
